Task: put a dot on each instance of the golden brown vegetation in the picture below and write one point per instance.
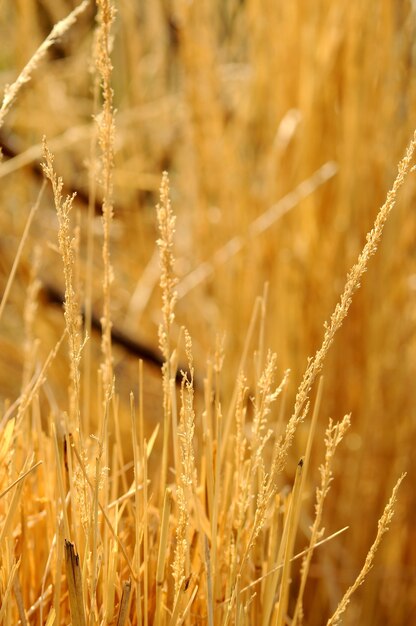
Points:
(174, 456)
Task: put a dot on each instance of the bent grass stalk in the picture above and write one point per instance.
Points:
(57, 32)
(383, 527)
(354, 277)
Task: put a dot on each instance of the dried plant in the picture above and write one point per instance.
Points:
(166, 222)
(59, 29)
(179, 496)
(333, 437)
(66, 240)
(383, 526)
(106, 130)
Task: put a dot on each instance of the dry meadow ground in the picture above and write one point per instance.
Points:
(159, 463)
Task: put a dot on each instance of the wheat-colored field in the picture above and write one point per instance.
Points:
(186, 192)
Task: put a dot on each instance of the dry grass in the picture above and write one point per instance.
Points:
(158, 460)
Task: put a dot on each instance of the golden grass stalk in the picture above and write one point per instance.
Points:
(57, 144)
(288, 548)
(137, 511)
(260, 225)
(258, 490)
(185, 492)
(217, 428)
(74, 578)
(19, 600)
(58, 575)
(5, 604)
(98, 484)
(21, 477)
(39, 603)
(278, 550)
(7, 432)
(71, 305)
(18, 254)
(241, 368)
(60, 481)
(124, 604)
(92, 196)
(111, 576)
(210, 595)
(187, 420)
(383, 527)
(31, 305)
(333, 437)
(104, 514)
(146, 554)
(354, 277)
(180, 566)
(59, 29)
(14, 502)
(294, 558)
(106, 130)
(166, 223)
(161, 556)
(52, 618)
(34, 385)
